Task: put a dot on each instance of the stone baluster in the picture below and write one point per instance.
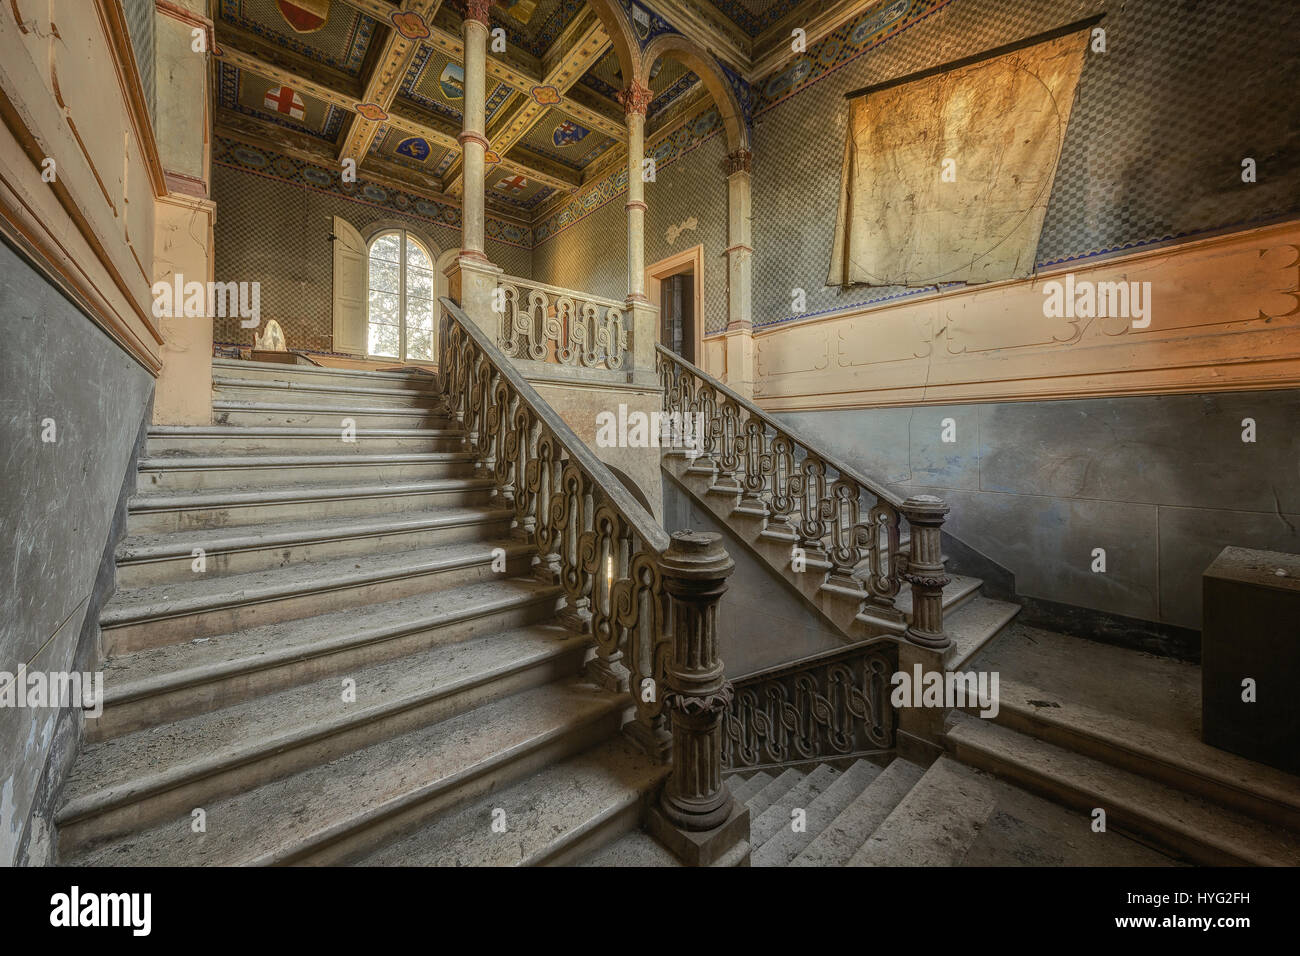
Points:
(925, 571)
(697, 817)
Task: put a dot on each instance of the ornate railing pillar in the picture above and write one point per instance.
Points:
(697, 816)
(925, 570)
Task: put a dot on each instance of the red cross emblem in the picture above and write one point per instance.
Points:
(284, 100)
(514, 184)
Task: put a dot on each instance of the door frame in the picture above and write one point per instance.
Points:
(654, 274)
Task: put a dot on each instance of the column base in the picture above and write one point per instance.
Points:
(703, 847)
(471, 283)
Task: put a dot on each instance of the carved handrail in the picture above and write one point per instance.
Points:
(648, 599)
(830, 705)
(546, 323)
(843, 522)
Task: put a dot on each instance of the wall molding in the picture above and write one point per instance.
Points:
(1225, 317)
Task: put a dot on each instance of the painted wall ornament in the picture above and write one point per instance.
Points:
(545, 95)
(411, 25)
(452, 81)
(568, 133)
(304, 16)
(372, 111)
(414, 147)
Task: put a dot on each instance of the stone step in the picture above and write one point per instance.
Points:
(322, 394)
(742, 789)
(1133, 710)
(211, 441)
(413, 378)
(777, 817)
(340, 809)
(973, 625)
(555, 817)
(139, 779)
(935, 823)
(149, 687)
(220, 604)
(634, 849)
(171, 474)
(146, 559)
(243, 506)
(1028, 830)
(1176, 760)
(242, 413)
(773, 792)
(1172, 820)
(787, 843)
(847, 833)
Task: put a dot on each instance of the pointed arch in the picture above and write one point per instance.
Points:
(703, 65)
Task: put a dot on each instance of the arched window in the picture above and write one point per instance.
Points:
(399, 295)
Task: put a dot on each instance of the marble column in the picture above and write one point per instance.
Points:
(473, 136)
(644, 316)
(472, 278)
(740, 253)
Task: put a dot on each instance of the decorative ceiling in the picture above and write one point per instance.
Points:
(753, 16)
(328, 79)
(340, 42)
(272, 102)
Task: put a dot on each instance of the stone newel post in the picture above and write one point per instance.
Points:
(925, 570)
(697, 816)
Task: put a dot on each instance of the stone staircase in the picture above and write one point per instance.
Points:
(970, 618)
(901, 815)
(1089, 726)
(325, 651)
(1081, 726)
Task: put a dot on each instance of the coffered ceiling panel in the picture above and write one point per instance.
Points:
(339, 40)
(437, 82)
(277, 103)
(562, 138)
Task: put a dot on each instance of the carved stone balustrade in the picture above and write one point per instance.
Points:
(651, 608)
(843, 527)
(544, 323)
(831, 705)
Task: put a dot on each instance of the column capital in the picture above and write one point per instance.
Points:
(740, 161)
(479, 11)
(635, 100)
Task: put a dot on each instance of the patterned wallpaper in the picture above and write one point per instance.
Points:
(274, 229)
(592, 256)
(1152, 153)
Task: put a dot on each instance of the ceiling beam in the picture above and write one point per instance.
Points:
(250, 52)
(574, 52)
(383, 82)
(524, 81)
(262, 134)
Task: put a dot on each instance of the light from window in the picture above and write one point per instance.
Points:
(400, 298)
